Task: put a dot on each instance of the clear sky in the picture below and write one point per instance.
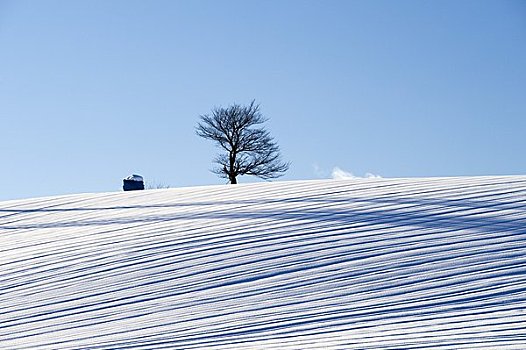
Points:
(92, 91)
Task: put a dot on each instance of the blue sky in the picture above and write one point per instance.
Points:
(92, 91)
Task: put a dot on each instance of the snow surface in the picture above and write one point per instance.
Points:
(437, 263)
(134, 177)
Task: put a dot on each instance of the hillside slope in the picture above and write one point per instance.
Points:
(357, 264)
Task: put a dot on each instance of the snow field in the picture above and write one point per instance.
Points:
(353, 264)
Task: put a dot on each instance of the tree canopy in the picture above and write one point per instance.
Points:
(248, 148)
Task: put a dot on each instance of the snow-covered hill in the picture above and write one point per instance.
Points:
(434, 263)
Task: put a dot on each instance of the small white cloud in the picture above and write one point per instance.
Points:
(319, 172)
(372, 176)
(339, 174)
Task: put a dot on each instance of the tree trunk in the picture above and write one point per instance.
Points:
(232, 160)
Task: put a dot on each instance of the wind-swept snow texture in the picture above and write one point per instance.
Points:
(434, 263)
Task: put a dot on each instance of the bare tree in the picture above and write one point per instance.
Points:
(249, 150)
(156, 186)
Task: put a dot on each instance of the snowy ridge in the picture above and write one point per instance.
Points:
(436, 263)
